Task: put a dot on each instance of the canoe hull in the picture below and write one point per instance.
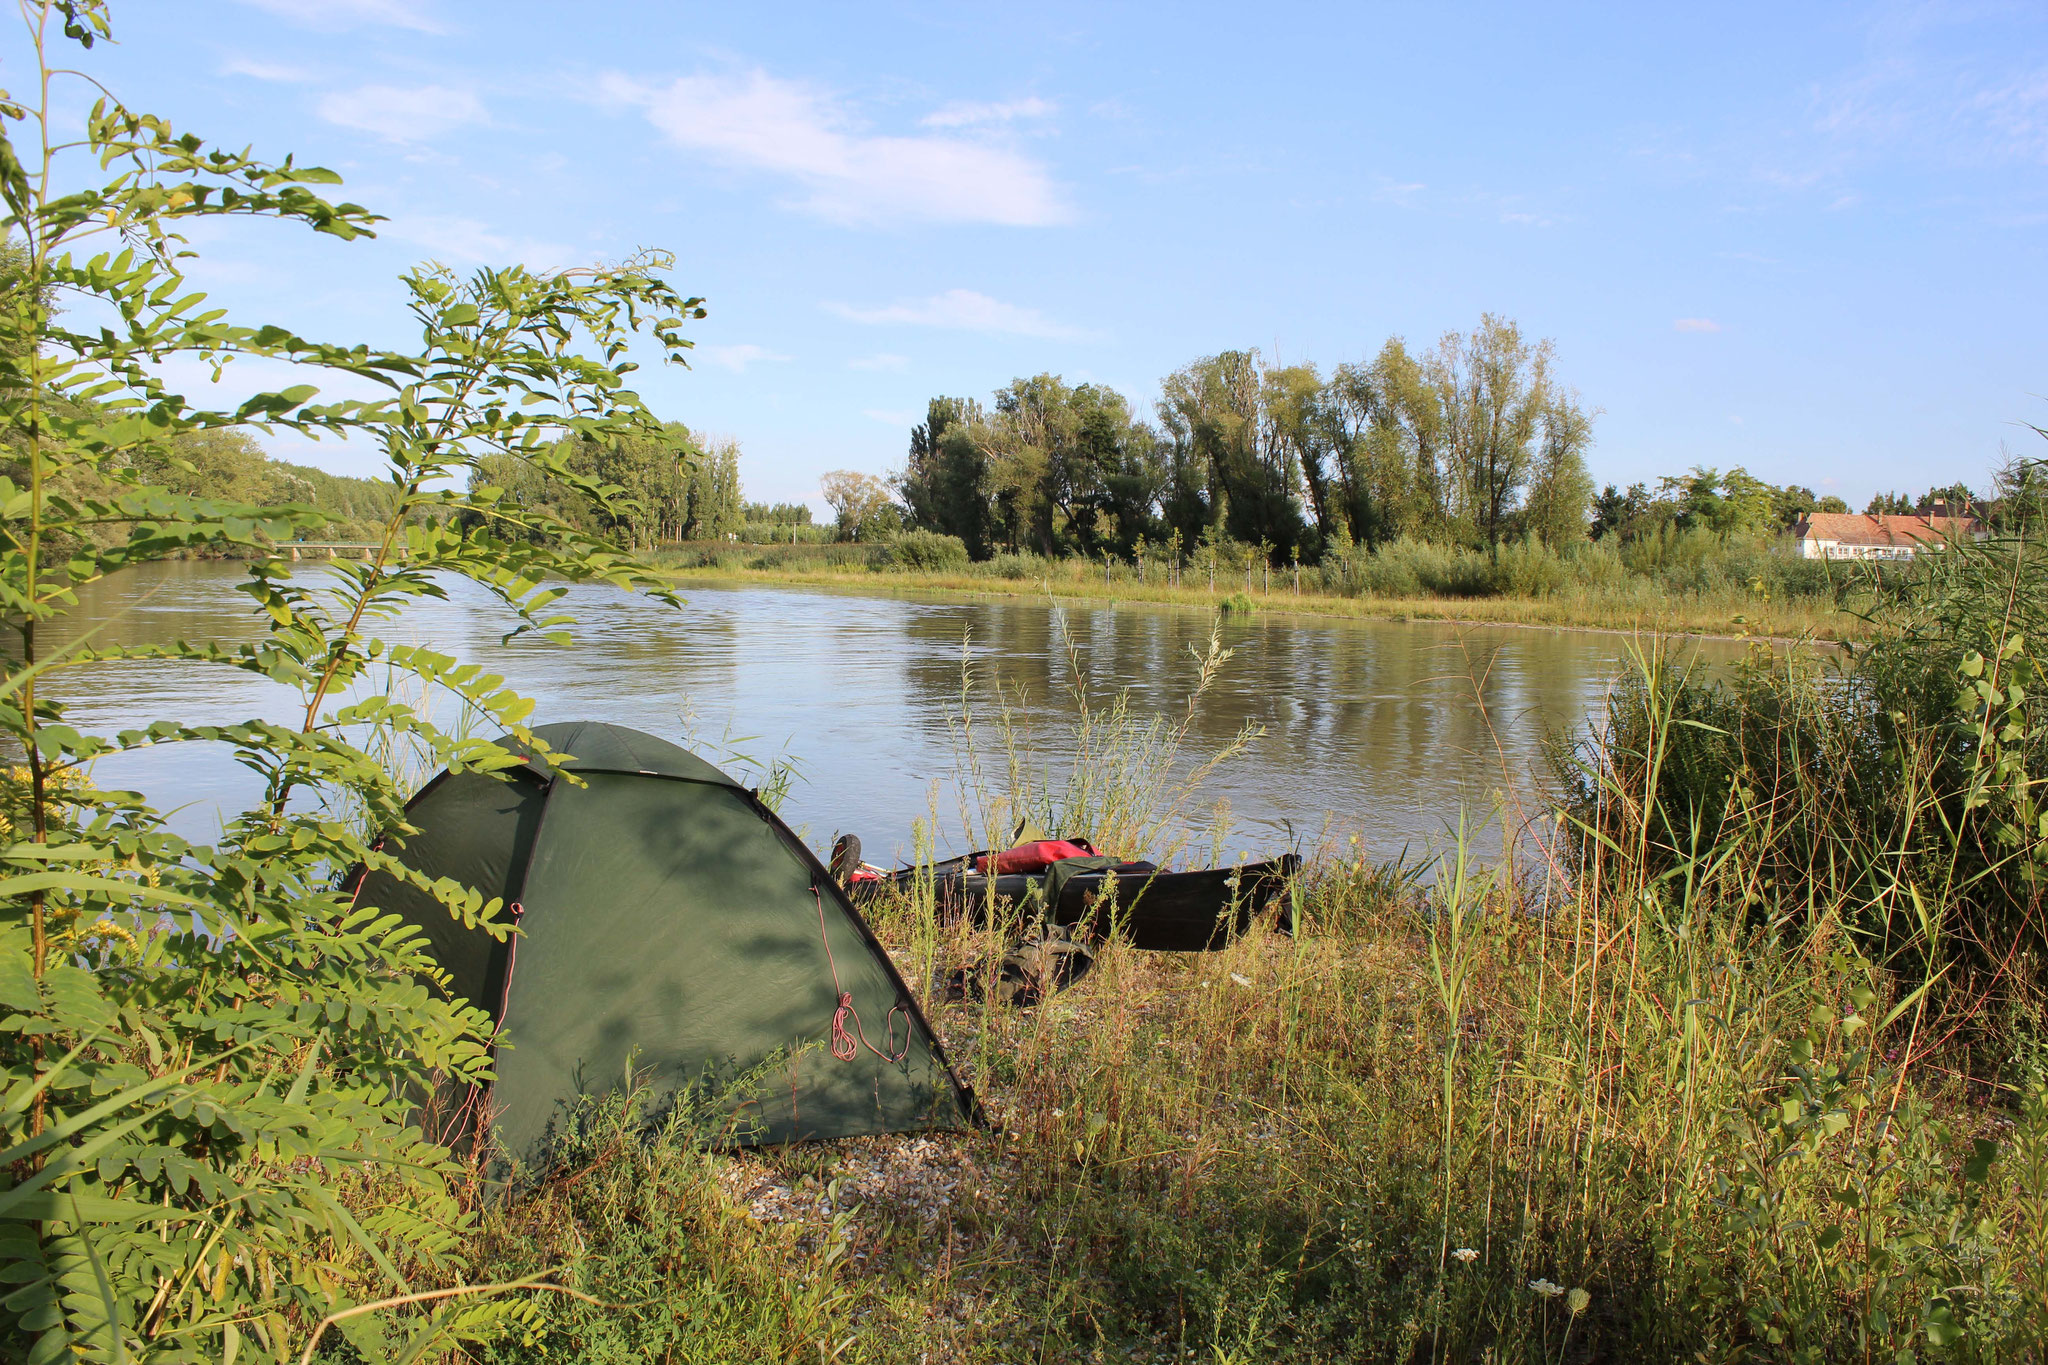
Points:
(1164, 912)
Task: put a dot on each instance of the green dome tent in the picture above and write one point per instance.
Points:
(666, 916)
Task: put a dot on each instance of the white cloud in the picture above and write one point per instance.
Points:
(1400, 195)
(2017, 114)
(1528, 220)
(339, 14)
(966, 311)
(967, 113)
(401, 114)
(881, 360)
(786, 128)
(891, 419)
(267, 71)
(1801, 178)
(466, 241)
(1695, 325)
(736, 358)
(1913, 96)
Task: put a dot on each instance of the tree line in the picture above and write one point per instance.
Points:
(1475, 440)
(221, 463)
(1738, 502)
(1733, 503)
(679, 485)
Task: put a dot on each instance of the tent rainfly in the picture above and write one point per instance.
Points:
(669, 917)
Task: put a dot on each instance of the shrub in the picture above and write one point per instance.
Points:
(1790, 577)
(1529, 568)
(926, 551)
(1015, 566)
(1596, 567)
(1669, 546)
(1359, 572)
(1445, 570)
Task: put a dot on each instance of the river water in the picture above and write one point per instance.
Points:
(1383, 730)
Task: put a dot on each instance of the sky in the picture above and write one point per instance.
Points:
(1810, 240)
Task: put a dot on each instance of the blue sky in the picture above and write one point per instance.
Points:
(1804, 239)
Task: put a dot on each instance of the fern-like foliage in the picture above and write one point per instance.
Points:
(209, 1054)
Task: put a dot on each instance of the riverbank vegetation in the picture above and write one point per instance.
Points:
(1736, 1053)
(1705, 586)
(1707, 552)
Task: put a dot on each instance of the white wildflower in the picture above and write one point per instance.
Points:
(1546, 1288)
(1577, 1301)
(1466, 1254)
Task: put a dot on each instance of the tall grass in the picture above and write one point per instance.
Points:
(1125, 781)
(1292, 1150)
(1895, 794)
(1676, 1096)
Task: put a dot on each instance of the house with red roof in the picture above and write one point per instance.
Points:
(1848, 535)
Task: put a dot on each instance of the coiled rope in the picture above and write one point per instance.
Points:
(844, 1046)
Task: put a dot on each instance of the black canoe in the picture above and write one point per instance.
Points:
(1167, 912)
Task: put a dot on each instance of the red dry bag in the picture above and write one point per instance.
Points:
(1035, 856)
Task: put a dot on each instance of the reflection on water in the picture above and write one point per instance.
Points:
(1383, 728)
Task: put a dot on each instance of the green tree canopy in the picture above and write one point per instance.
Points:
(1474, 441)
(665, 485)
